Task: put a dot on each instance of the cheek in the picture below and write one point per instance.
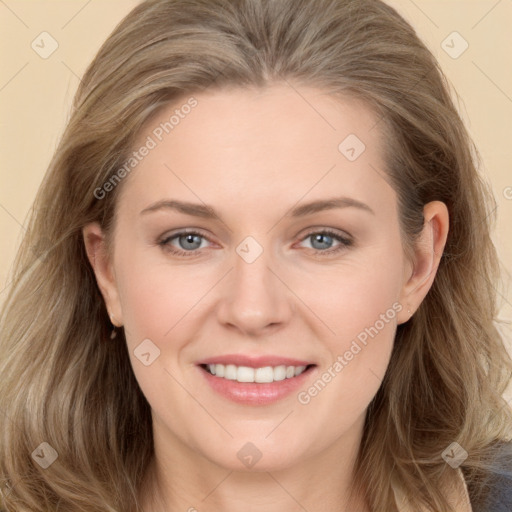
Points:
(352, 296)
(159, 305)
(156, 296)
(356, 361)
(359, 304)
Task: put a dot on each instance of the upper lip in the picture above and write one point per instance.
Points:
(255, 361)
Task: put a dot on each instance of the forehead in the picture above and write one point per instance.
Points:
(282, 141)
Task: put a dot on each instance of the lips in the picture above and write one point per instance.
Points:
(263, 390)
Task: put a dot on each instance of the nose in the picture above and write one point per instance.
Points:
(254, 299)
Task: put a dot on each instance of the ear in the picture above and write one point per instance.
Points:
(95, 246)
(428, 250)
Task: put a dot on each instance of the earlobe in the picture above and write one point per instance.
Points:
(428, 251)
(95, 246)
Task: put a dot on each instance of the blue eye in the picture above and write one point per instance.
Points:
(188, 243)
(323, 242)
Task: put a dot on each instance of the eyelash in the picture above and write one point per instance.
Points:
(344, 242)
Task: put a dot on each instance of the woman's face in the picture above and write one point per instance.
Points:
(259, 232)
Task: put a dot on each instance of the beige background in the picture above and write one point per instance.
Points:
(35, 94)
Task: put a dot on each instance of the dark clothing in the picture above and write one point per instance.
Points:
(499, 485)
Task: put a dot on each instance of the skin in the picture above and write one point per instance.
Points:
(253, 155)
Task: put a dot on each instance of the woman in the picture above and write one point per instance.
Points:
(263, 277)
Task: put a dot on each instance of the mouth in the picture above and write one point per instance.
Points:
(256, 385)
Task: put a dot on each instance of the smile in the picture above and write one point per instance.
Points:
(265, 374)
(261, 384)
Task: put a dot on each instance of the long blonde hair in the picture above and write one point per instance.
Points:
(63, 382)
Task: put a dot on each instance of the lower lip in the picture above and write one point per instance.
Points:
(253, 393)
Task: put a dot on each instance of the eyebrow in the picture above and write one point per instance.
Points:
(196, 210)
(329, 204)
(207, 212)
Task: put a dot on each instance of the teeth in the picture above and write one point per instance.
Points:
(230, 372)
(265, 374)
(280, 373)
(245, 374)
(260, 375)
(219, 369)
(298, 370)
